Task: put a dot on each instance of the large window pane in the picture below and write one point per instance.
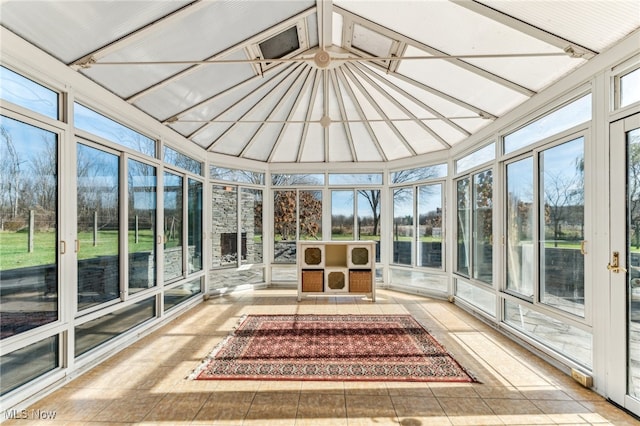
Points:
(194, 224)
(224, 227)
(562, 218)
(369, 217)
(285, 212)
(98, 227)
(572, 114)
(173, 157)
(520, 256)
(430, 230)
(142, 225)
(630, 88)
(90, 121)
(94, 333)
(463, 232)
(173, 220)
(27, 93)
(419, 173)
(29, 215)
(402, 226)
(297, 179)
(342, 209)
(26, 364)
(181, 293)
(355, 178)
(235, 175)
(310, 220)
(483, 226)
(483, 155)
(570, 341)
(251, 221)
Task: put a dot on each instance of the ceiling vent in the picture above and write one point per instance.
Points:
(284, 44)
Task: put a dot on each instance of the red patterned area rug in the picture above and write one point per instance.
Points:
(331, 347)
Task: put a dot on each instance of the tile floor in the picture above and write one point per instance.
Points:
(146, 384)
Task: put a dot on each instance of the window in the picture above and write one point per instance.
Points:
(310, 219)
(280, 179)
(27, 363)
(519, 232)
(566, 117)
(224, 227)
(419, 173)
(99, 125)
(29, 216)
(418, 235)
(178, 159)
(355, 215)
(98, 224)
(235, 175)
(175, 296)
(368, 217)
(551, 218)
(194, 226)
(96, 332)
(476, 158)
(297, 214)
(355, 178)
(28, 94)
(251, 222)
(173, 222)
(430, 232)
(142, 225)
(561, 217)
(630, 88)
(342, 215)
(280, 45)
(403, 226)
(474, 195)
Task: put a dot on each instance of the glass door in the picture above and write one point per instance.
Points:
(624, 263)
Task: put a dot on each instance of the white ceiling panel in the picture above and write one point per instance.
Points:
(461, 84)
(197, 67)
(69, 30)
(593, 24)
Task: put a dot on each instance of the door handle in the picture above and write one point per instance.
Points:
(614, 265)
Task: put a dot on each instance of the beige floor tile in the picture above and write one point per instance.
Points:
(321, 407)
(225, 408)
(177, 407)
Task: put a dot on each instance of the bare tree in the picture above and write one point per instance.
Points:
(9, 173)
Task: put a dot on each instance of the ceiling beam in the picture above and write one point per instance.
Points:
(325, 20)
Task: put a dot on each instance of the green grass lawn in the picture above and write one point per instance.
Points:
(14, 247)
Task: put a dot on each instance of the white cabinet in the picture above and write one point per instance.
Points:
(336, 267)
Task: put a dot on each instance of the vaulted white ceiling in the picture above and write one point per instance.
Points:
(299, 81)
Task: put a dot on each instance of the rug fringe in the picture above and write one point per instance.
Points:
(203, 364)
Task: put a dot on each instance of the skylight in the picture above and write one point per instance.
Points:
(281, 44)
